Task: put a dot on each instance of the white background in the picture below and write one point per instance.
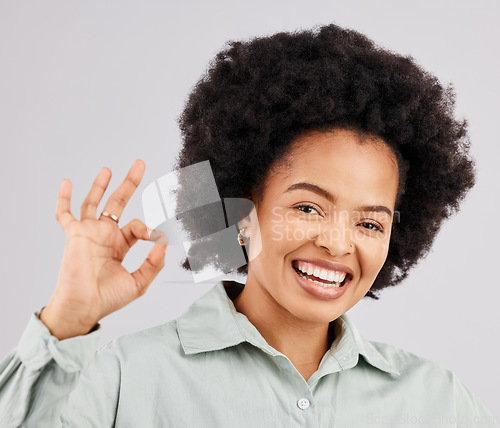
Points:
(86, 84)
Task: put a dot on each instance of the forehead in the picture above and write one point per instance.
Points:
(343, 162)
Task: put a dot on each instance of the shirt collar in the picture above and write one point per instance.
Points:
(213, 323)
(349, 344)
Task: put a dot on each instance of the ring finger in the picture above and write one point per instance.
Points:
(119, 198)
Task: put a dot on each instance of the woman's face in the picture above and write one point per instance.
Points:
(328, 208)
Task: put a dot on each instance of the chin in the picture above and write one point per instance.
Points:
(312, 312)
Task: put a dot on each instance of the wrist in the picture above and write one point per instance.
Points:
(64, 326)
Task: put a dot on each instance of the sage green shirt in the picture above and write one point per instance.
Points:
(212, 368)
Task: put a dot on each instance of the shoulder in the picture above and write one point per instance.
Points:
(436, 382)
(140, 344)
(409, 364)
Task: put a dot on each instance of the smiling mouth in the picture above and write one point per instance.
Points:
(325, 279)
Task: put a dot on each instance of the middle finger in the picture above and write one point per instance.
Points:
(89, 205)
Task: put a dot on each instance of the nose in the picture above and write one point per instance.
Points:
(335, 238)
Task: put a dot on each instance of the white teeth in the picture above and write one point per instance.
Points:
(327, 275)
(332, 285)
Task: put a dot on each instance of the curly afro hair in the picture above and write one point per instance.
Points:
(257, 96)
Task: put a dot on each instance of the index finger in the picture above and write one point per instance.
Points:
(119, 198)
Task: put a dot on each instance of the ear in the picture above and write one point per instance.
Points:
(245, 224)
(250, 232)
(247, 206)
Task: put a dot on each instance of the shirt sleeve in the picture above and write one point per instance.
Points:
(94, 400)
(38, 375)
(471, 412)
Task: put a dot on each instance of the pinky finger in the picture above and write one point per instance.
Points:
(149, 268)
(63, 210)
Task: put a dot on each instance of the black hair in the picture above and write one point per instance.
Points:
(258, 95)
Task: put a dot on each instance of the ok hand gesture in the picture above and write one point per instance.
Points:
(92, 282)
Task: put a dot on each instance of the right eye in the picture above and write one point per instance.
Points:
(306, 208)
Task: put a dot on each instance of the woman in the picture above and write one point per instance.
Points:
(352, 159)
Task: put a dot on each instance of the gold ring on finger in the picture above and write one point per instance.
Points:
(111, 216)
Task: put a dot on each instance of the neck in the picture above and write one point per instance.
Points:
(303, 343)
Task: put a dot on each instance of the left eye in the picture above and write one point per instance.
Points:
(372, 226)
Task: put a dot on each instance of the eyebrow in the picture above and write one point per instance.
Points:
(327, 195)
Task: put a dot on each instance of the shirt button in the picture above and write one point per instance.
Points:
(303, 403)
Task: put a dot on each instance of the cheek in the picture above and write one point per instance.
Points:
(285, 228)
(385, 246)
(300, 232)
(372, 253)
(269, 235)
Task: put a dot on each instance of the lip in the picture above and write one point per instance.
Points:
(318, 291)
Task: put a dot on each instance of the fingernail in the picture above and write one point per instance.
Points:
(153, 234)
(157, 235)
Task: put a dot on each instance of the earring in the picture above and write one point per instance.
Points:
(240, 237)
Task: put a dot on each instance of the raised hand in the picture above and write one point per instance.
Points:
(92, 282)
